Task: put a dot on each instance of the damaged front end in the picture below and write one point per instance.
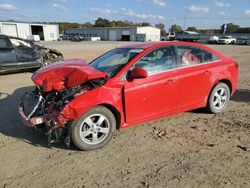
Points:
(49, 55)
(56, 86)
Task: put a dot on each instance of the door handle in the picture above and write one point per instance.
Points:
(170, 82)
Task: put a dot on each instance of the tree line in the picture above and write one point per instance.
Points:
(230, 28)
(102, 22)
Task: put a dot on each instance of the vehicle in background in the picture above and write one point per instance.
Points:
(17, 54)
(213, 40)
(169, 37)
(94, 39)
(34, 38)
(60, 38)
(86, 103)
(76, 37)
(227, 40)
(242, 41)
(188, 36)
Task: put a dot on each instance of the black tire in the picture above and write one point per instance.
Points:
(84, 134)
(215, 96)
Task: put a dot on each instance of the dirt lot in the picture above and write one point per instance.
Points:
(192, 149)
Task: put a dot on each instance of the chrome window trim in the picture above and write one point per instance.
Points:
(178, 68)
(123, 77)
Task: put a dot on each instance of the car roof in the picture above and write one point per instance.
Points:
(141, 45)
(151, 45)
(1, 35)
(144, 45)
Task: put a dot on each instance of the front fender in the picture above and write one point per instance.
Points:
(102, 95)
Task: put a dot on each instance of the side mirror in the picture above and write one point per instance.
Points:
(137, 73)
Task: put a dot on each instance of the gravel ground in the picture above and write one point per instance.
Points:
(192, 149)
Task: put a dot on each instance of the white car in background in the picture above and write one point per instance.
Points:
(227, 40)
(213, 40)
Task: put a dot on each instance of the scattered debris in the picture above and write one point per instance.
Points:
(159, 133)
(145, 184)
(162, 133)
(244, 148)
(210, 145)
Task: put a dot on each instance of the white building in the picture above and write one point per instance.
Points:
(139, 33)
(47, 32)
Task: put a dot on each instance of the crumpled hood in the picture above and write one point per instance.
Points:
(65, 74)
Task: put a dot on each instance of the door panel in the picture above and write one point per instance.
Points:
(157, 94)
(149, 97)
(8, 59)
(194, 77)
(193, 85)
(27, 54)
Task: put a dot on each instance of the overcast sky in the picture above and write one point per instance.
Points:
(199, 13)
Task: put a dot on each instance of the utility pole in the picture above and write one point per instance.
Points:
(184, 24)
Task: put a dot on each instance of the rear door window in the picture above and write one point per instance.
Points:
(189, 55)
(208, 57)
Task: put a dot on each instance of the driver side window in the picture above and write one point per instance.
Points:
(157, 61)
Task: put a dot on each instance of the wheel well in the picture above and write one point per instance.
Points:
(115, 112)
(225, 81)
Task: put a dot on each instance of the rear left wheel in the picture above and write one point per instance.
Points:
(94, 129)
(219, 98)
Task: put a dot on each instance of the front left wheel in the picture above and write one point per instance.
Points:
(94, 129)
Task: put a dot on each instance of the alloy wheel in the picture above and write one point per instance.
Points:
(94, 129)
(220, 98)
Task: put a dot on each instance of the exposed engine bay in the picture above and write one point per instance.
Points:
(43, 109)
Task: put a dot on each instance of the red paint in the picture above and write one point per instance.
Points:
(65, 74)
(140, 100)
(138, 73)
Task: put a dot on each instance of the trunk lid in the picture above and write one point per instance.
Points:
(65, 74)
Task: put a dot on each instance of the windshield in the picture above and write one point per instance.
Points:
(114, 60)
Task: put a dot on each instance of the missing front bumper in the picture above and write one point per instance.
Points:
(29, 122)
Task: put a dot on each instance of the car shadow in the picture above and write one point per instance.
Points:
(29, 70)
(241, 95)
(11, 124)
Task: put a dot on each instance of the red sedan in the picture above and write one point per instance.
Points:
(126, 86)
